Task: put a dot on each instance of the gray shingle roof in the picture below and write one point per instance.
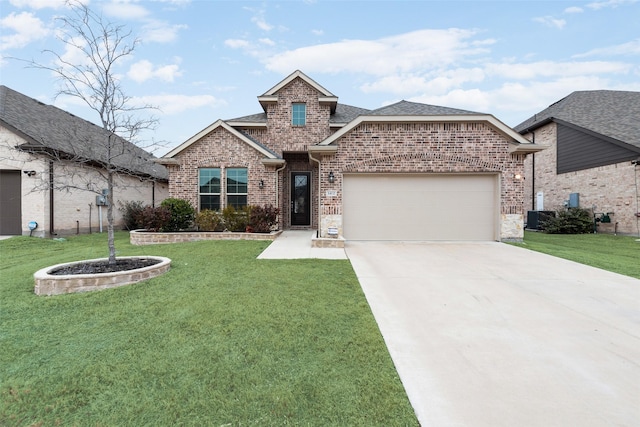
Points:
(406, 108)
(615, 114)
(50, 129)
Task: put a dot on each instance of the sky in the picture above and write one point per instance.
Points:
(199, 61)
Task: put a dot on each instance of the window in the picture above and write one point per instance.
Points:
(299, 114)
(209, 189)
(237, 187)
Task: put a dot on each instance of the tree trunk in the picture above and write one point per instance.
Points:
(110, 232)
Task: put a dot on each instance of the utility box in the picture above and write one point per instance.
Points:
(574, 200)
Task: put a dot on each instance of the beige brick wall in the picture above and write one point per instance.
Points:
(610, 188)
(75, 188)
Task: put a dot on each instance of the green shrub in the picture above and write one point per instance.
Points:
(209, 220)
(236, 220)
(182, 214)
(131, 211)
(263, 218)
(154, 219)
(570, 221)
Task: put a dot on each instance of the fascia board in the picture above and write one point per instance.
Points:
(212, 127)
(273, 162)
(292, 77)
(323, 149)
(247, 124)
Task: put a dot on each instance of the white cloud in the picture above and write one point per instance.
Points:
(39, 4)
(533, 70)
(262, 23)
(267, 42)
(174, 104)
(550, 21)
(161, 32)
(437, 82)
(26, 27)
(144, 70)
(236, 43)
(423, 49)
(574, 9)
(317, 32)
(124, 9)
(597, 5)
(629, 48)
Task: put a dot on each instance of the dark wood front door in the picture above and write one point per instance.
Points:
(301, 198)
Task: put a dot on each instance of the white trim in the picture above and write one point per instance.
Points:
(211, 128)
(269, 94)
(487, 118)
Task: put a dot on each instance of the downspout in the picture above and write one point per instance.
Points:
(533, 175)
(319, 192)
(153, 193)
(51, 216)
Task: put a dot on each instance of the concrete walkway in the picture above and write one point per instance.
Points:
(488, 334)
(296, 244)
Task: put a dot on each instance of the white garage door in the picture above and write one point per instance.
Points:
(420, 207)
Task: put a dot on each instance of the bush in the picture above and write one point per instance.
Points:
(154, 219)
(182, 214)
(131, 211)
(570, 221)
(236, 220)
(209, 220)
(263, 218)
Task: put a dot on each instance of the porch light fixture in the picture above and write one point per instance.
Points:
(517, 176)
(29, 173)
(261, 184)
(332, 177)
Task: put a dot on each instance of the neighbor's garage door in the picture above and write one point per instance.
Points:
(420, 207)
(10, 203)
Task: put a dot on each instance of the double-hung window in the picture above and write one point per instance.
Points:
(298, 114)
(236, 187)
(209, 188)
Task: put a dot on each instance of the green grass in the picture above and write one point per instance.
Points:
(222, 339)
(620, 254)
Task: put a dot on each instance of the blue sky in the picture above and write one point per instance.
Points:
(200, 61)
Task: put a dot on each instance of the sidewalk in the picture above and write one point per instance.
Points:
(296, 244)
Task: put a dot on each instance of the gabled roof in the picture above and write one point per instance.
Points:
(343, 114)
(412, 112)
(48, 129)
(610, 113)
(406, 108)
(220, 123)
(272, 94)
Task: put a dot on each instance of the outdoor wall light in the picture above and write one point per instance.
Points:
(517, 176)
(332, 177)
(29, 173)
(261, 183)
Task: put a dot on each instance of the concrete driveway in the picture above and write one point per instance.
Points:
(488, 334)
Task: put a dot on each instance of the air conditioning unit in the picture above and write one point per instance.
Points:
(535, 219)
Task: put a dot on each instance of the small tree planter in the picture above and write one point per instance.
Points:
(54, 284)
(143, 237)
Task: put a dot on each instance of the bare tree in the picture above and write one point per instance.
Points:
(87, 70)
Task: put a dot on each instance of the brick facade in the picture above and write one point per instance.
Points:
(405, 146)
(610, 188)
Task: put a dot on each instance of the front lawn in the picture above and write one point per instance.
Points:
(620, 254)
(222, 339)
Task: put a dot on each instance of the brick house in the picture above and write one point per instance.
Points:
(592, 162)
(51, 171)
(406, 171)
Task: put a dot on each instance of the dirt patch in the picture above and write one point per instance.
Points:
(104, 266)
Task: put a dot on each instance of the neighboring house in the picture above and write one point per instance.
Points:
(51, 170)
(406, 171)
(592, 162)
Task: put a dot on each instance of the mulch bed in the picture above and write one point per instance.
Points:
(105, 267)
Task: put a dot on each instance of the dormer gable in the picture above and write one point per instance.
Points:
(324, 98)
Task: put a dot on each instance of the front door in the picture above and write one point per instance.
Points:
(301, 198)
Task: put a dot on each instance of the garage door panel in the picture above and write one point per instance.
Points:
(420, 207)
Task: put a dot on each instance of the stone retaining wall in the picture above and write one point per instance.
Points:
(141, 237)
